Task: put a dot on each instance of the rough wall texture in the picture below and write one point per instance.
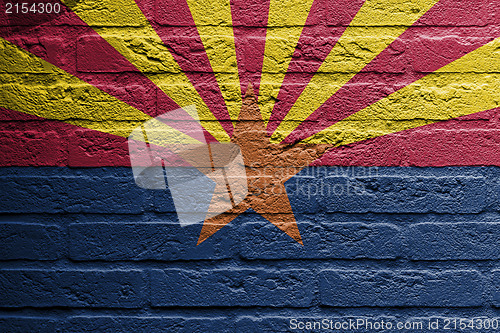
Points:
(400, 227)
(86, 250)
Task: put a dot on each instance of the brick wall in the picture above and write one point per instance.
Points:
(82, 252)
(404, 227)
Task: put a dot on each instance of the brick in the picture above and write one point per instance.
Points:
(454, 147)
(481, 73)
(251, 60)
(11, 60)
(216, 14)
(59, 51)
(13, 324)
(72, 288)
(388, 150)
(496, 195)
(458, 13)
(109, 60)
(31, 241)
(496, 287)
(143, 241)
(216, 47)
(232, 287)
(453, 241)
(302, 193)
(468, 141)
(32, 148)
(355, 53)
(160, 201)
(135, 89)
(266, 324)
(89, 148)
(108, 13)
(442, 50)
(404, 194)
(65, 18)
(355, 288)
(172, 12)
(322, 240)
(393, 60)
(116, 324)
(308, 56)
(381, 13)
(278, 45)
(46, 46)
(9, 116)
(59, 99)
(147, 54)
(318, 15)
(342, 15)
(249, 13)
(77, 194)
(189, 51)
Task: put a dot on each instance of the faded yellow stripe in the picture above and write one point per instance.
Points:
(357, 47)
(214, 23)
(285, 23)
(445, 94)
(47, 91)
(141, 45)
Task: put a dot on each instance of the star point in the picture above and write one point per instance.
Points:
(268, 166)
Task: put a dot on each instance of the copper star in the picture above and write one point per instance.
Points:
(268, 167)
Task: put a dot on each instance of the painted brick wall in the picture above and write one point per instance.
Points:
(79, 255)
(83, 249)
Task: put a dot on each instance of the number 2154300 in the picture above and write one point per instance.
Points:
(34, 8)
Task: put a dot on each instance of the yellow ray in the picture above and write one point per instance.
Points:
(285, 23)
(31, 85)
(377, 24)
(141, 45)
(214, 23)
(445, 94)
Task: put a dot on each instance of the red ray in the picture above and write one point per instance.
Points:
(465, 141)
(250, 22)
